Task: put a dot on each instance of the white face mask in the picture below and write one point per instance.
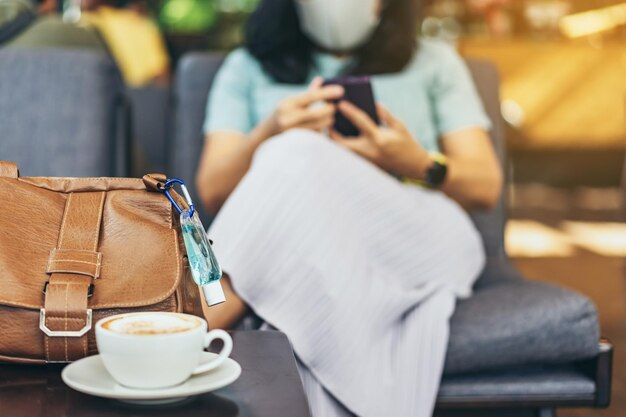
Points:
(338, 25)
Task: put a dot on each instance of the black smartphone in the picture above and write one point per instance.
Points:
(358, 91)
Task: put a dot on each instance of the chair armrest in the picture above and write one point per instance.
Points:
(600, 368)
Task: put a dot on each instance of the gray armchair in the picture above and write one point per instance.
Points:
(517, 347)
(62, 112)
(194, 76)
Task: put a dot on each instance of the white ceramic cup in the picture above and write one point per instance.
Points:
(161, 359)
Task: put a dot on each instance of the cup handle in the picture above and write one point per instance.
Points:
(224, 353)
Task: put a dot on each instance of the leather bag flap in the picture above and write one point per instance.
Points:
(139, 250)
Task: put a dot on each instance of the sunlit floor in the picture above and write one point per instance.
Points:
(575, 238)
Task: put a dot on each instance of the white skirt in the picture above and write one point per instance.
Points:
(359, 270)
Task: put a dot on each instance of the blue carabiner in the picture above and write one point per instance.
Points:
(166, 189)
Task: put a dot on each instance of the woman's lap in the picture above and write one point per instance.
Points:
(340, 256)
(352, 200)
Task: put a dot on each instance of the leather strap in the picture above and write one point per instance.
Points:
(8, 169)
(83, 262)
(155, 182)
(68, 288)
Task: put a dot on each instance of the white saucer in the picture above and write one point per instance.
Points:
(89, 376)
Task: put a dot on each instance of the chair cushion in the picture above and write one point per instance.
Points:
(512, 322)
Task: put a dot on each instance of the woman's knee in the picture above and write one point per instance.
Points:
(293, 141)
(296, 146)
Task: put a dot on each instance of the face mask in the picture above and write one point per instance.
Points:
(338, 25)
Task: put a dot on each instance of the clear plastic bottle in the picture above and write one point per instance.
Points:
(205, 270)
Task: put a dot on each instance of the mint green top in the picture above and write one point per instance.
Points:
(433, 95)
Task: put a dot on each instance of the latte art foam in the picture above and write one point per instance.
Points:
(151, 324)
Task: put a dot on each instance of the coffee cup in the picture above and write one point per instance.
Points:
(151, 350)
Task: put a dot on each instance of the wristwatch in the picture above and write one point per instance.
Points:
(435, 174)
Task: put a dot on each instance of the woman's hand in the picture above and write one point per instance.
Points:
(227, 155)
(299, 112)
(391, 146)
(474, 178)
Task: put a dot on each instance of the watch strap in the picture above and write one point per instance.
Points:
(435, 174)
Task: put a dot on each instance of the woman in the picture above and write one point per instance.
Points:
(318, 233)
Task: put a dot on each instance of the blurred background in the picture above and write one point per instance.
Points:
(563, 88)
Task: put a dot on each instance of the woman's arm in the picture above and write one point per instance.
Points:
(227, 155)
(225, 160)
(474, 177)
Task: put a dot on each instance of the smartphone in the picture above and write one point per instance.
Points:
(358, 91)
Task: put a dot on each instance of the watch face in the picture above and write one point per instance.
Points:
(436, 174)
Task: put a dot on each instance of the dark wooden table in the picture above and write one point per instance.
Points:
(269, 386)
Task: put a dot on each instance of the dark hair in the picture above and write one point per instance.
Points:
(275, 39)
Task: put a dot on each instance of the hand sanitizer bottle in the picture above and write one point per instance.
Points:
(205, 270)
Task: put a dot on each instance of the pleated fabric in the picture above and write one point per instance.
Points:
(359, 270)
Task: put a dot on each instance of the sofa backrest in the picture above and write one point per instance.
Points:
(150, 113)
(491, 224)
(195, 75)
(62, 113)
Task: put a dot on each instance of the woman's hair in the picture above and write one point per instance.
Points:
(275, 39)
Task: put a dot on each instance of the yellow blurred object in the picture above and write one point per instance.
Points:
(593, 21)
(528, 238)
(134, 41)
(605, 238)
(560, 94)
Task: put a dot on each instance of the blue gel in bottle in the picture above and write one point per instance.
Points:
(205, 270)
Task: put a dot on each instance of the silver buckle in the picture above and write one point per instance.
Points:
(68, 333)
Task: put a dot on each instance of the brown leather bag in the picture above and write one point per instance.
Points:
(75, 250)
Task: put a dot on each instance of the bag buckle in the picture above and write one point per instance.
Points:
(64, 333)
